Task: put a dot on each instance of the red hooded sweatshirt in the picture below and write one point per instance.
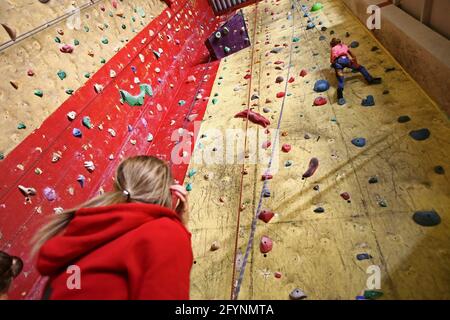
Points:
(124, 251)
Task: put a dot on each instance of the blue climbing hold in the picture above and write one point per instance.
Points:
(359, 142)
(420, 135)
(354, 44)
(342, 101)
(427, 218)
(368, 102)
(77, 133)
(363, 256)
(310, 26)
(321, 86)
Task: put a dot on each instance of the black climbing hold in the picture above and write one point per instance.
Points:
(321, 38)
(373, 180)
(319, 210)
(404, 119)
(375, 48)
(323, 29)
(363, 256)
(386, 92)
(316, 187)
(347, 34)
(439, 170)
(427, 218)
(420, 135)
(389, 69)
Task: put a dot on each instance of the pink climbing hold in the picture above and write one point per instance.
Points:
(313, 165)
(286, 148)
(278, 62)
(281, 94)
(114, 4)
(254, 117)
(266, 216)
(266, 145)
(320, 101)
(345, 196)
(30, 73)
(191, 79)
(303, 73)
(67, 48)
(265, 245)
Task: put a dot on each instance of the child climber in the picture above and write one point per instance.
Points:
(131, 243)
(10, 268)
(341, 58)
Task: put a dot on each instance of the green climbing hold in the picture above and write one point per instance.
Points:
(189, 187)
(215, 101)
(57, 40)
(38, 93)
(316, 7)
(192, 173)
(2, 156)
(133, 19)
(69, 91)
(124, 26)
(76, 42)
(21, 126)
(296, 39)
(181, 103)
(105, 40)
(372, 294)
(137, 100)
(111, 14)
(87, 122)
(62, 75)
(87, 75)
(227, 50)
(86, 28)
(140, 12)
(216, 94)
(102, 60)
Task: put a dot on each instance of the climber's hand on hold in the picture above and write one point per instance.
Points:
(182, 205)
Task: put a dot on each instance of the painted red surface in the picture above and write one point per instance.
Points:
(180, 31)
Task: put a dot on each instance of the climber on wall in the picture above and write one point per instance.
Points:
(10, 268)
(131, 243)
(341, 58)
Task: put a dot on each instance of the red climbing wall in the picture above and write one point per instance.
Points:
(179, 34)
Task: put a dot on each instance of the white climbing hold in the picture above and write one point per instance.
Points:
(89, 165)
(71, 115)
(58, 210)
(112, 73)
(112, 132)
(27, 191)
(142, 57)
(56, 156)
(98, 88)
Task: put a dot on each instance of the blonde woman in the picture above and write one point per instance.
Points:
(10, 268)
(131, 243)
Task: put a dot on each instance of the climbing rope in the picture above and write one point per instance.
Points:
(258, 210)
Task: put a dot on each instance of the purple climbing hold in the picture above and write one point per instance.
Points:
(50, 194)
(313, 165)
(77, 133)
(363, 256)
(81, 179)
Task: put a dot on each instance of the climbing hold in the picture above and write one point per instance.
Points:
(439, 170)
(266, 216)
(215, 246)
(98, 88)
(266, 176)
(427, 218)
(313, 165)
(137, 100)
(296, 39)
(288, 163)
(87, 122)
(77, 133)
(345, 196)
(266, 192)
(363, 256)
(105, 40)
(181, 103)
(62, 75)
(50, 194)
(373, 180)
(149, 137)
(253, 117)
(67, 48)
(320, 101)
(310, 26)
(359, 142)
(368, 102)
(56, 156)
(420, 135)
(319, 210)
(382, 203)
(112, 73)
(21, 126)
(81, 180)
(303, 73)
(254, 97)
(316, 7)
(215, 101)
(286, 148)
(27, 192)
(189, 187)
(281, 94)
(266, 244)
(10, 31)
(277, 275)
(14, 84)
(279, 79)
(192, 173)
(30, 73)
(403, 119)
(297, 294)
(39, 93)
(372, 294)
(69, 91)
(266, 145)
(354, 44)
(76, 42)
(321, 86)
(89, 165)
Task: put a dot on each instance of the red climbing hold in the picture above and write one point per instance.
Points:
(291, 79)
(254, 117)
(281, 94)
(266, 145)
(278, 62)
(313, 165)
(320, 101)
(277, 275)
(247, 76)
(303, 73)
(266, 176)
(266, 244)
(114, 4)
(345, 196)
(286, 148)
(30, 73)
(266, 216)
(67, 48)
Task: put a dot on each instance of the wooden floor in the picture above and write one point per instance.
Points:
(317, 252)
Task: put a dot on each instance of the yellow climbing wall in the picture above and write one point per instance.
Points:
(317, 252)
(40, 53)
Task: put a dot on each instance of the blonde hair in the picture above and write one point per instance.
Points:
(143, 179)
